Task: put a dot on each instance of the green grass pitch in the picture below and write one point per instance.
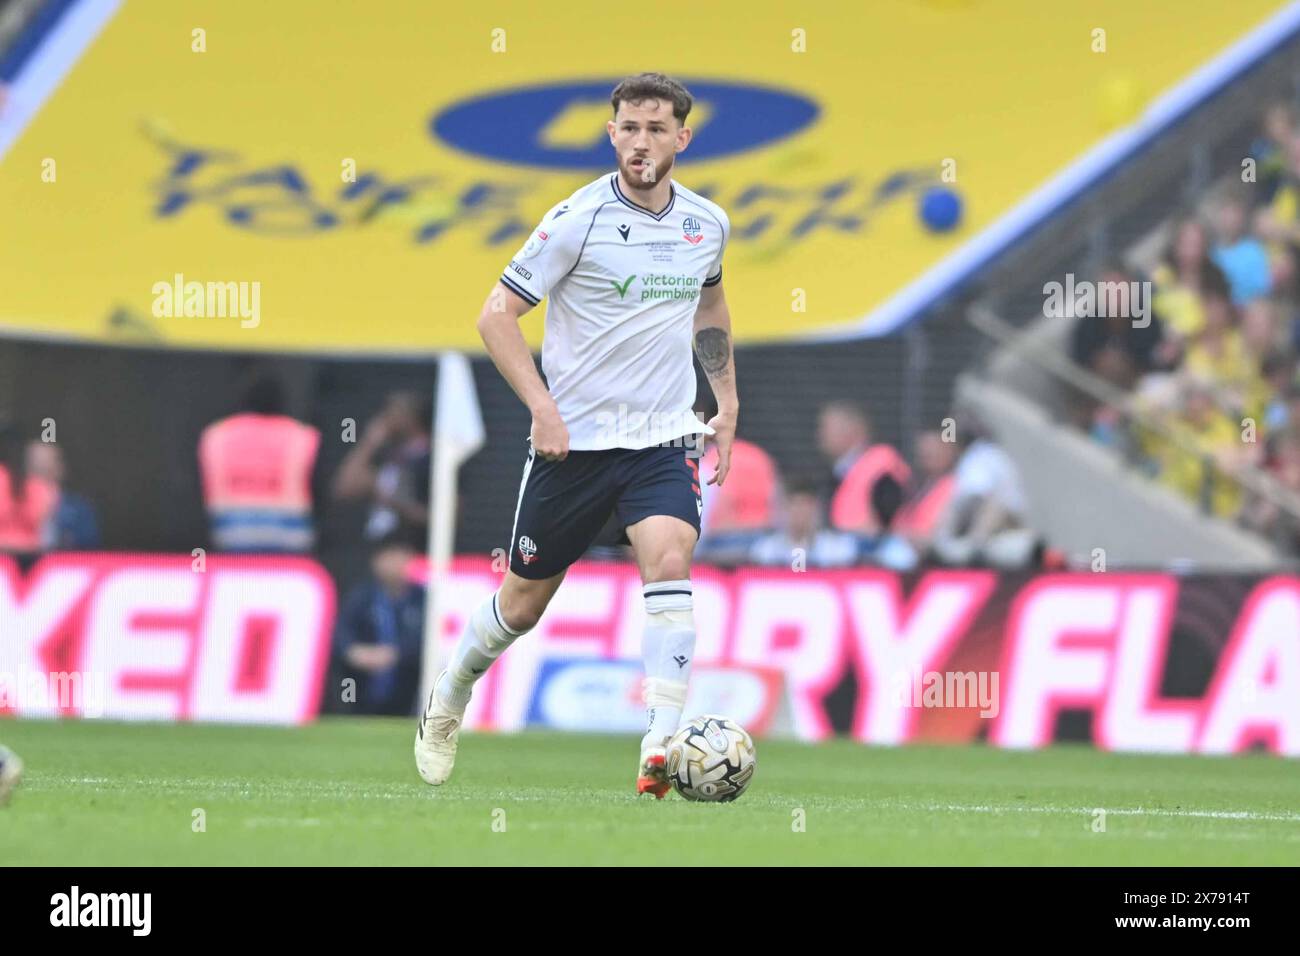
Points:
(346, 792)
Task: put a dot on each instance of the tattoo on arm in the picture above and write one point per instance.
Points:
(713, 346)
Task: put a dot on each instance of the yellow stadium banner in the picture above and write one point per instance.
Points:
(350, 178)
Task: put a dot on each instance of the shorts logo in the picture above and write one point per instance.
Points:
(527, 549)
(691, 230)
(693, 466)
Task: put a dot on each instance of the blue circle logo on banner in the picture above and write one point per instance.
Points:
(507, 126)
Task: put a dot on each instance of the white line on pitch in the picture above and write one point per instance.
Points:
(1119, 811)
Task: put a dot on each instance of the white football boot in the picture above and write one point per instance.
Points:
(436, 739)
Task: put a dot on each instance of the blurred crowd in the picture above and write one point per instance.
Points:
(963, 504)
(263, 490)
(1210, 361)
(38, 511)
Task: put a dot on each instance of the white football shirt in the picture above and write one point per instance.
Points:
(623, 284)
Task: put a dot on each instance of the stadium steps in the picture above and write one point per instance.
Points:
(1029, 381)
(1083, 496)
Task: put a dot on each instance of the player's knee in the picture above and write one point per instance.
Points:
(521, 610)
(670, 566)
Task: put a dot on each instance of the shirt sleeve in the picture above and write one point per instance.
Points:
(715, 268)
(549, 254)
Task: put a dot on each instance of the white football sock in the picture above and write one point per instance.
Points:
(486, 636)
(668, 646)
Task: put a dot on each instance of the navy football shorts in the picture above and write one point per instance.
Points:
(564, 504)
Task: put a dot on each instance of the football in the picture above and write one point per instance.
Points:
(711, 759)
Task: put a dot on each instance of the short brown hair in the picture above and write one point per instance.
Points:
(653, 86)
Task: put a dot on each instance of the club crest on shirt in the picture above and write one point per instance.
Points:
(691, 230)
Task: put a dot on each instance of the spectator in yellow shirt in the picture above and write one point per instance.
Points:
(1182, 275)
(1269, 150)
(1278, 223)
(1266, 348)
(1218, 354)
(1219, 452)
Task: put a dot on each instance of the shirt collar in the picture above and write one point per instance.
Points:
(622, 197)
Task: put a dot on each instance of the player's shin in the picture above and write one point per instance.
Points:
(486, 636)
(668, 648)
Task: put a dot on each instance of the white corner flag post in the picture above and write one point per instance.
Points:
(457, 434)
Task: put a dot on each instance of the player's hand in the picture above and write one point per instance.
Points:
(377, 431)
(550, 435)
(724, 433)
(371, 657)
